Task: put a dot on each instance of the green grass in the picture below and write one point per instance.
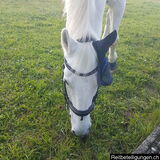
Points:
(33, 121)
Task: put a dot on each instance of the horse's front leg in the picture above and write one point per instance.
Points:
(113, 20)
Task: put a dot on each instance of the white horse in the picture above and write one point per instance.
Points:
(81, 40)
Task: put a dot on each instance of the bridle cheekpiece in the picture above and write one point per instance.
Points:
(69, 104)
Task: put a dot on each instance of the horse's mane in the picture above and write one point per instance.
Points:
(83, 18)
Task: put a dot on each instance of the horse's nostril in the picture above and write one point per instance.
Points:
(80, 134)
(73, 132)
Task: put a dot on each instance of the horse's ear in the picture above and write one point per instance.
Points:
(102, 46)
(68, 44)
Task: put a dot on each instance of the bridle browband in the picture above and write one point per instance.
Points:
(77, 73)
(69, 104)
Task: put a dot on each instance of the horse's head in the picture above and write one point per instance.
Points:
(80, 77)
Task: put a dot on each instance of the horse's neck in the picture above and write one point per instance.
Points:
(84, 18)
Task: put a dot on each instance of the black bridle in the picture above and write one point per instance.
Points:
(103, 70)
(69, 104)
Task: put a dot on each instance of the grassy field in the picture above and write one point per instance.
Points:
(34, 124)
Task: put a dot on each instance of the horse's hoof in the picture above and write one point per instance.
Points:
(113, 66)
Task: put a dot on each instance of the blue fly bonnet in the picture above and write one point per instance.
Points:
(104, 77)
